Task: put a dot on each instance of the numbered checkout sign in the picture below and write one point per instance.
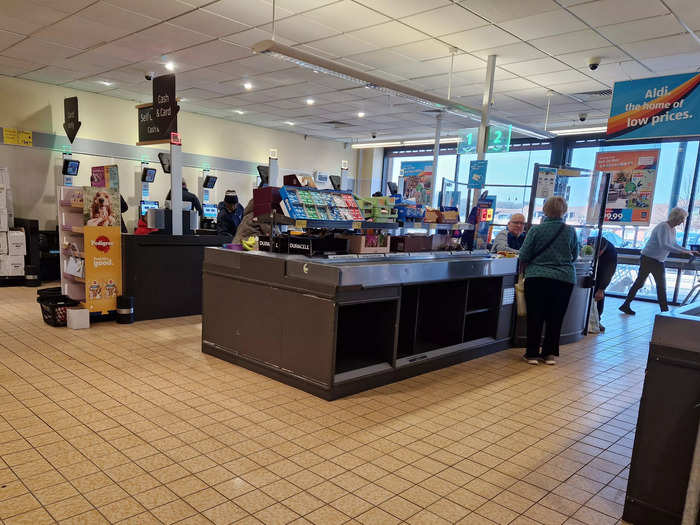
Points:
(498, 139)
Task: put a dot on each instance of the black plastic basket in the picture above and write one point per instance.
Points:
(53, 308)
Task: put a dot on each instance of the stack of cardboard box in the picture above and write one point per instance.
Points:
(13, 245)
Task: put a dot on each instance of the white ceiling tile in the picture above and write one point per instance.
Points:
(569, 43)
(214, 52)
(687, 10)
(581, 86)
(92, 85)
(250, 12)
(251, 66)
(462, 62)
(300, 6)
(510, 53)
(480, 38)
(379, 59)
(684, 61)
(209, 23)
(8, 38)
(500, 11)
(12, 66)
(559, 77)
(91, 33)
(647, 28)
(65, 6)
(52, 75)
(300, 28)
(36, 50)
(512, 84)
(536, 67)
(161, 40)
(605, 12)
(606, 54)
(159, 9)
(341, 45)
(445, 20)
(543, 24)
(616, 71)
(346, 16)
(117, 17)
(389, 34)
(398, 9)
(22, 17)
(250, 37)
(424, 49)
(90, 62)
(128, 95)
(659, 47)
(196, 94)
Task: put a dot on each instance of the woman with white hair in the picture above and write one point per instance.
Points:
(662, 241)
(548, 254)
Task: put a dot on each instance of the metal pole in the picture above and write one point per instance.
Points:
(436, 156)
(678, 174)
(274, 27)
(449, 79)
(176, 187)
(691, 203)
(482, 139)
(692, 496)
(596, 252)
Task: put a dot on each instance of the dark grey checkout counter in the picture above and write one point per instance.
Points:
(669, 413)
(572, 328)
(163, 273)
(334, 327)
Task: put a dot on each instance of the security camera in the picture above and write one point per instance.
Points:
(582, 117)
(593, 63)
(374, 135)
(150, 75)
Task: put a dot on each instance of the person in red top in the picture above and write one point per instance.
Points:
(142, 227)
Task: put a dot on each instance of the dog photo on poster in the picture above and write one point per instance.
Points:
(101, 207)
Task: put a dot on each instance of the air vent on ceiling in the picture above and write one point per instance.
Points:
(337, 124)
(587, 96)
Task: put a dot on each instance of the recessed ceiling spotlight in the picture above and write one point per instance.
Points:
(248, 86)
(104, 82)
(310, 102)
(170, 66)
(289, 123)
(240, 112)
(361, 114)
(183, 100)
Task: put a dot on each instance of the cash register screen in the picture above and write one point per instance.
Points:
(147, 205)
(210, 211)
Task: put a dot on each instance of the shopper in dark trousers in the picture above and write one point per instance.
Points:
(607, 264)
(548, 254)
(662, 241)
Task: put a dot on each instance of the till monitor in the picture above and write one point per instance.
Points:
(393, 188)
(264, 172)
(148, 175)
(210, 211)
(148, 205)
(164, 161)
(336, 181)
(209, 182)
(70, 167)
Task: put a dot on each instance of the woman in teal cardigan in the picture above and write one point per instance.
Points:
(548, 255)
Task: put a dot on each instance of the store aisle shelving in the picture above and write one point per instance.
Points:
(133, 424)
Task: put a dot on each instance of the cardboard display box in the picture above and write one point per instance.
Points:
(369, 243)
(11, 265)
(411, 243)
(16, 243)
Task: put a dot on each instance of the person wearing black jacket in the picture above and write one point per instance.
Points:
(187, 196)
(124, 207)
(607, 264)
(230, 215)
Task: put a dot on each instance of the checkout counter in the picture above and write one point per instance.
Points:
(340, 325)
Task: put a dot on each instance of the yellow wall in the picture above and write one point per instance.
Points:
(34, 172)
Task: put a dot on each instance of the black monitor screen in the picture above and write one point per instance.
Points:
(264, 172)
(393, 188)
(70, 167)
(209, 182)
(148, 175)
(147, 205)
(164, 161)
(335, 181)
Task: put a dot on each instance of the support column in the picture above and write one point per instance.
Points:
(436, 156)
(482, 139)
(176, 187)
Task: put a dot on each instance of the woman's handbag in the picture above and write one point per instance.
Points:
(521, 305)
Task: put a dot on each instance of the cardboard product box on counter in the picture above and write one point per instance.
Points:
(369, 243)
(279, 245)
(310, 246)
(411, 243)
(11, 265)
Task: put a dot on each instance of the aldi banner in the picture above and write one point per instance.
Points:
(632, 184)
(655, 107)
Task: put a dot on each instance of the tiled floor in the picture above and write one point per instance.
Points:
(133, 424)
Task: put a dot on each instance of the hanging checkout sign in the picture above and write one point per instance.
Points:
(657, 107)
(498, 139)
(158, 120)
(477, 174)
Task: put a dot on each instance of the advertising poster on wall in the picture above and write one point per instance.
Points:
(546, 179)
(417, 180)
(646, 108)
(105, 177)
(632, 185)
(103, 259)
(101, 207)
(477, 174)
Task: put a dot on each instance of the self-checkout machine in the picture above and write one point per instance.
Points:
(206, 189)
(144, 178)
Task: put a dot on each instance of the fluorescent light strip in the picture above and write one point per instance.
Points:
(579, 131)
(397, 143)
(306, 60)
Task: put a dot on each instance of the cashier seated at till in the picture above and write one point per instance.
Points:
(511, 238)
(230, 215)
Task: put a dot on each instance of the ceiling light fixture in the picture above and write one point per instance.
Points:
(397, 143)
(248, 86)
(289, 122)
(310, 102)
(170, 66)
(361, 114)
(239, 111)
(579, 131)
(365, 145)
(306, 60)
(104, 82)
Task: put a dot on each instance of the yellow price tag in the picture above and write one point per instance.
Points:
(356, 225)
(300, 224)
(25, 138)
(9, 136)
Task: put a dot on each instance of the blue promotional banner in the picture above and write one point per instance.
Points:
(655, 107)
(477, 174)
(417, 180)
